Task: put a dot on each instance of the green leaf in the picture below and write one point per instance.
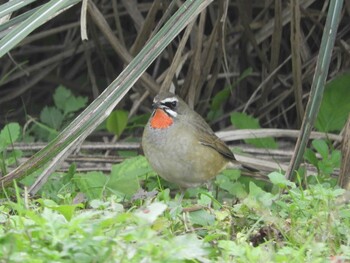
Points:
(13, 156)
(9, 134)
(52, 117)
(92, 184)
(310, 156)
(336, 158)
(202, 218)
(117, 121)
(220, 98)
(124, 177)
(280, 180)
(321, 147)
(335, 106)
(244, 121)
(139, 120)
(228, 181)
(258, 196)
(66, 210)
(188, 247)
(67, 102)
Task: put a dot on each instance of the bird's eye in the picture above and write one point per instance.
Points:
(171, 104)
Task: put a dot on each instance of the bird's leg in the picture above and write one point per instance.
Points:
(183, 191)
(177, 204)
(210, 186)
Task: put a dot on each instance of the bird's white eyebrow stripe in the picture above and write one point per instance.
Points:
(170, 100)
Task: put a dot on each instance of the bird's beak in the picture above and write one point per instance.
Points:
(155, 105)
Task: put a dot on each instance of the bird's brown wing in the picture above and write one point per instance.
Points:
(208, 138)
(211, 140)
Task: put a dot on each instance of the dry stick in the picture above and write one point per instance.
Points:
(67, 53)
(137, 104)
(47, 33)
(317, 88)
(225, 135)
(91, 72)
(177, 59)
(344, 175)
(295, 40)
(267, 30)
(263, 83)
(275, 52)
(122, 52)
(262, 133)
(19, 91)
(83, 12)
(118, 25)
(222, 22)
(85, 146)
(213, 62)
(146, 28)
(249, 33)
(196, 64)
(134, 12)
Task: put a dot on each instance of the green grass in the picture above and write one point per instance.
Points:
(299, 225)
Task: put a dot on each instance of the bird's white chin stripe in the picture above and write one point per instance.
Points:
(170, 112)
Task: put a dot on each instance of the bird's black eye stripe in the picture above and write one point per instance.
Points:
(170, 104)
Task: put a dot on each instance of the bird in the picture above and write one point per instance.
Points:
(180, 145)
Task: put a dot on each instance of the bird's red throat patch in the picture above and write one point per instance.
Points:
(161, 120)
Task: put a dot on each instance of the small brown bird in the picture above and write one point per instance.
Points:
(180, 146)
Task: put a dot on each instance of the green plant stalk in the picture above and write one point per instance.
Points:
(102, 106)
(44, 13)
(318, 84)
(12, 6)
(11, 24)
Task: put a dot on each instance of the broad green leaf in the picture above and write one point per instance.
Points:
(67, 210)
(188, 247)
(259, 195)
(244, 121)
(230, 248)
(280, 180)
(321, 147)
(67, 102)
(124, 177)
(92, 184)
(117, 121)
(202, 218)
(336, 158)
(9, 134)
(139, 120)
(228, 181)
(326, 167)
(205, 199)
(310, 156)
(220, 98)
(52, 117)
(60, 97)
(335, 106)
